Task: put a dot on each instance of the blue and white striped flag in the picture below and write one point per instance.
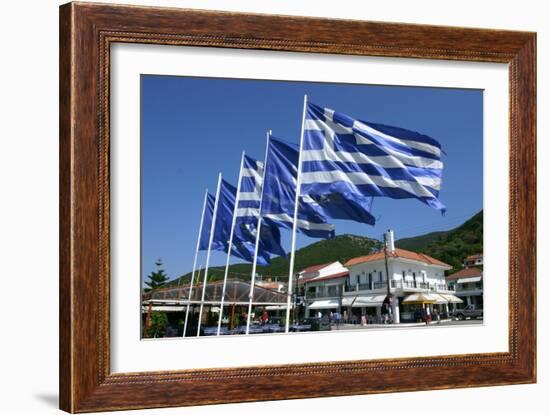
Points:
(358, 160)
(248, 210)
(206, 226)
(243, 243)
(279, 193)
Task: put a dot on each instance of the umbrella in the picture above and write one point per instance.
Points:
(419, 298)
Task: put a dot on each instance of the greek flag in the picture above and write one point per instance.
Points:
(248, 210)
(224, 215)
(356, 160)
(206, 226)
(243, 243)
(279, 193)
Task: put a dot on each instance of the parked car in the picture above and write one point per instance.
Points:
(470, 311)
(312, 324)
(273, 327)
(302, 326)
(254, 328)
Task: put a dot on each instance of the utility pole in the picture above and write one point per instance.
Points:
(389, 296)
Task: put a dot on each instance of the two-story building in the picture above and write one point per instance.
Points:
(468, 284)
(322, 287)
(361, 293)
(409, 273)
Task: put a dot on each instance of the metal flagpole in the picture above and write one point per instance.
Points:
(256, 247)
(195, 262)
(212, 228)
(295, 222)
(230, 244)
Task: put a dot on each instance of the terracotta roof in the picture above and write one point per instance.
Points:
(315, 268)
(326, 277)
(465, 273)
(475, 256)
(398, 253)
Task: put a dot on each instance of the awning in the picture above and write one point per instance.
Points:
(275, 307)
(165, 308)
(420, 298)
(348, 301)
(440, 299)
(452, 298)
(364, 301)
(321, 304)
(173, 308)
(469, 279)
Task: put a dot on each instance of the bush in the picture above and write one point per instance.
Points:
(157, 324)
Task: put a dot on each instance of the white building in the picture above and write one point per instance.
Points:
(468, 284)
(360, 295)
(323, 287)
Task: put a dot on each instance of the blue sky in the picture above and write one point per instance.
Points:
(193, 128)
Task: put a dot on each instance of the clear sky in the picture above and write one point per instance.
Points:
(193, 128)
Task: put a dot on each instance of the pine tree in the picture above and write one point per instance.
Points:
(156, 278)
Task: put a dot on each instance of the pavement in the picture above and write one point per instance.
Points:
(447, 322)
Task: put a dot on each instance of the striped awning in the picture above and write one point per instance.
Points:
(364, 301)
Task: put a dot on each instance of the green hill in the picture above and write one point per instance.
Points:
(450, 246)
(418, 243)
(341, 248)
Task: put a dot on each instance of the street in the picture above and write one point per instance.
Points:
(403, 325)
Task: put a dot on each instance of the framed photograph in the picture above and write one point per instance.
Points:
(253, 208)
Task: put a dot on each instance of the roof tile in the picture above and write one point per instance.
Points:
(465, 273)
(397, 253)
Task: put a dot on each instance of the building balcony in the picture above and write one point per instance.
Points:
(411, 286)
(374, 286)
(323, 294)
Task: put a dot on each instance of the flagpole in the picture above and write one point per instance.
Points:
(295, 222)
(212, 229)
(256, 247)
(195, 262)
(230, 244)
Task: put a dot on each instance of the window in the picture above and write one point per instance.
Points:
(380, 275)
(403, 275)
(358, 278)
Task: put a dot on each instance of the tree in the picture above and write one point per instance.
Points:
(156, 278)
(157, 326)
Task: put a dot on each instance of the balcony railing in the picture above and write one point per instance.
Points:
(440, 287)
(322, 293)
(377, 285)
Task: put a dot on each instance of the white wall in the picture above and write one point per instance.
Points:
(28, 212)
(396, 268)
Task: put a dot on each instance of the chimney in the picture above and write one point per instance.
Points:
(390, 240)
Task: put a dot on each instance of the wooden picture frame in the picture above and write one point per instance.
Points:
(86, 33)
